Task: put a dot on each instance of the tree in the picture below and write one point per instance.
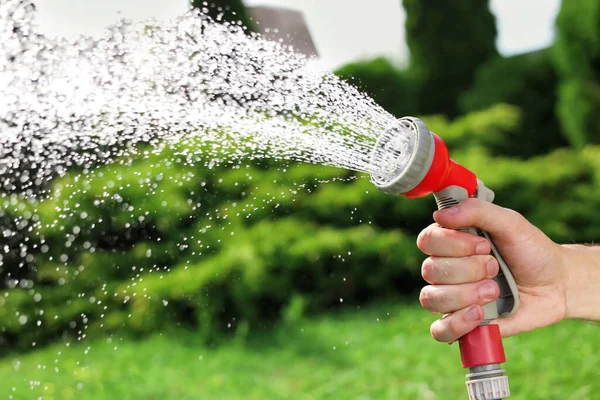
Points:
(231, 10)
(577, 58)
(528, 81)
(391, 88)
(448, 41)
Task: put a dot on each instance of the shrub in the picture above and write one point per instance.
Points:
(152, 243)
(577, 57)
(528, 81)
(391, 88)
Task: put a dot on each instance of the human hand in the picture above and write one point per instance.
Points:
(460, 270)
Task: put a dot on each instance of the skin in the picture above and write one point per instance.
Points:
(554, 281)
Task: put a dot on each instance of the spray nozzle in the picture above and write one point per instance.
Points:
(402, 156)
(410, 160)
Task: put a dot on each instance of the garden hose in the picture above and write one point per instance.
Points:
(414, 162)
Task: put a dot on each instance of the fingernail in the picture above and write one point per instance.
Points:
(450, 210)
(483, 248)
(472, 314)
(487, 291)
(492, 267)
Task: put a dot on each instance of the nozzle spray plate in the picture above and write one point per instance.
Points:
(402, 156)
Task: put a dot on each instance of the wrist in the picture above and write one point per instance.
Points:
(582, 267)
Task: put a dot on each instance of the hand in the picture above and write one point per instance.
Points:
(460, 269)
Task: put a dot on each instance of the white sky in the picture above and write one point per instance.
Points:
(343, 30)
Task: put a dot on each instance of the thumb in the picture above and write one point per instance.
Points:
(520, 322)
(531, 315)
(503, 224)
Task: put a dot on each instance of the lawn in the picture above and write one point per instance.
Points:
(381, 352)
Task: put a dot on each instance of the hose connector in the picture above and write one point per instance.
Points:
(488, 388)
(481, 351)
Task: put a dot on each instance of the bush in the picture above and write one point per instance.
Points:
(391, 88)
(577, 57)
(528, 81)
(139, 246)
(143, 245)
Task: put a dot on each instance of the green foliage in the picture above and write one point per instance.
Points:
(448, 41)
(578, 108)
(139, 244)
(557, 192)
(383, 352)
(391, 88)
(577, 56)
(528, 81)
(484, 128)
(153, 241)
(233, 11)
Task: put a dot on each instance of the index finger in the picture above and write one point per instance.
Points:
(437, 241)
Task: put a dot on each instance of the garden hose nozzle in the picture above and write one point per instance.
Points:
(414, 162)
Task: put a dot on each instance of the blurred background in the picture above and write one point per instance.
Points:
(315, 296)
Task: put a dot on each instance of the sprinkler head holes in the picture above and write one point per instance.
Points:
(402, 156)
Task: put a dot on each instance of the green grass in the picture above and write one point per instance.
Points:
(383, 352)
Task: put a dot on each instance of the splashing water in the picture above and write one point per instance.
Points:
(81, 102)
(222, 94)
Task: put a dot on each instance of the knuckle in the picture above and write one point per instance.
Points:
(514, 214)
(480, 219)
(479, 215)
(449, 271)
(471, 202)
(428, 269)
(424, 239)
(520, 221)
(452, 328)
(431, 298)
(439, 331)
(478, 267)
(484, 265)
(435, 332)
(467, 245)
(425, 297)
(523, 230)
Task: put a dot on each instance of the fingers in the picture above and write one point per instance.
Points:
(450, 243)
(452, 271)
(452, 326)
(504, 224)
(449, 298)
(462, 302)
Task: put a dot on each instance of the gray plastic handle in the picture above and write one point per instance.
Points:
(508, 300)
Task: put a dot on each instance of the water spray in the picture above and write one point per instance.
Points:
(86, 101)
(414, 162)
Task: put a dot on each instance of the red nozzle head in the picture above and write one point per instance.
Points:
(414, 162)
(442, 173)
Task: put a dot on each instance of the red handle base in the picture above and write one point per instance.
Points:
(481, 346)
